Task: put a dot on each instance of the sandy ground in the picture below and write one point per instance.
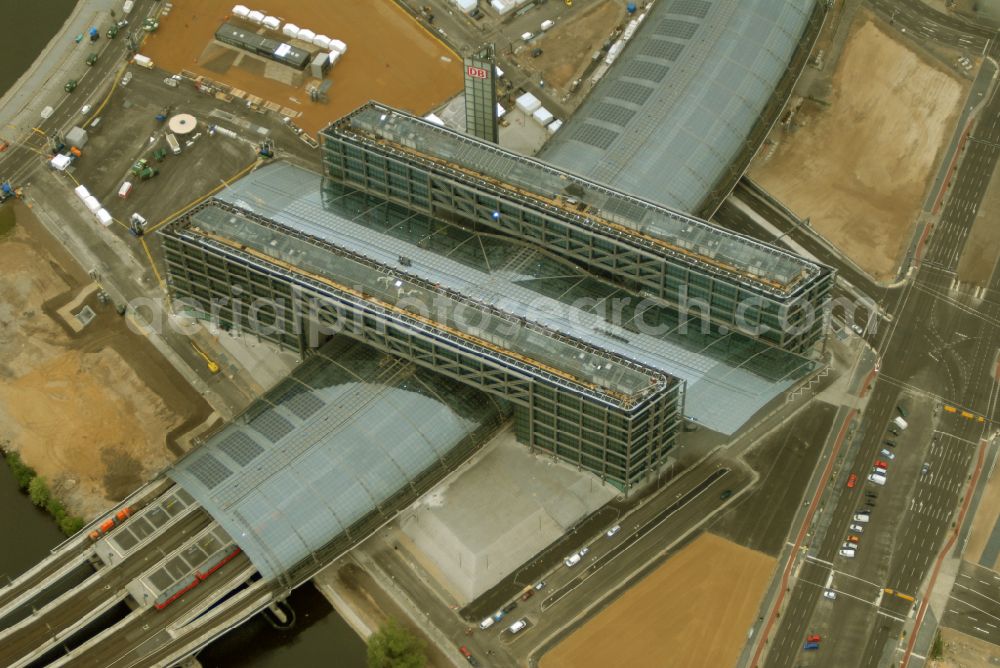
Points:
(568, 46)
(965, 651)
(90, 411)
(859, 168)
(692, 612)
(983, 245)
(982, 524)
(389, 58)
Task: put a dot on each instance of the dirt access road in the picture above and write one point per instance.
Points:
(859, 166)
(94, 411)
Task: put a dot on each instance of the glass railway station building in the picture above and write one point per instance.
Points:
(497, 271)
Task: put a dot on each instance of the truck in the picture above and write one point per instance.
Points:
(143, 61)
(175, 147)
(900, 422)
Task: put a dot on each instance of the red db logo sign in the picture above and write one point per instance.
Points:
(477, 72)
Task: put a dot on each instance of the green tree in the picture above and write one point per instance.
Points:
(22, 472)
(39, 492)
(70, 524)
(394, 646)
(937, 649)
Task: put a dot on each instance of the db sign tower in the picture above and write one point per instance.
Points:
(481, 95)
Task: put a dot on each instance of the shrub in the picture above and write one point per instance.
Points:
(22, 472)
(39, 492)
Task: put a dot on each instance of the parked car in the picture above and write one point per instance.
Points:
(510, 606)
(830, 594)
(518, 625)
(881, 464)
(857, 528)
(925, 468)
(583, 551)
(849, 553)
(862, 516)
(468, 655)
(528, 594)
(891, 444)
(853, 539)
(886, 452)
(726, 494)
(540, 586)
(813, 637)
(852, 480)
(572, 560)
(613, 530)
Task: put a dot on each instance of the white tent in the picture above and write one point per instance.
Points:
(543, 116)
(61, 162)
(528, 103)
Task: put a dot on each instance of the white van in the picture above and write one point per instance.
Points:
(900, 422)
(518, 625)
(877, 478)
(486, 623)
(844, 552)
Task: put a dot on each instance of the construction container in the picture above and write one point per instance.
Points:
(306, 35)
(241, 11)
(319, 65)
(143, 61)
(92, 204)
(82, 192)
(332, 57)
(466, 6)
(322, 41)
(103, 217)
(290, 30)
(77, 136)
(552, 127)
(272, 22)
(255, 17)
(339, 46)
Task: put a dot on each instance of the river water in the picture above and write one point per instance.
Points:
(321, 637)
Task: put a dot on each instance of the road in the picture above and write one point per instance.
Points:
(939, 348)
(569, 592)
(974, 605)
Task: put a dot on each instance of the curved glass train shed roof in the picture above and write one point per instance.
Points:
(334, 441)
(675, 108)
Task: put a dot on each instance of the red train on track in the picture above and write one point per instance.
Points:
(199, 575)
